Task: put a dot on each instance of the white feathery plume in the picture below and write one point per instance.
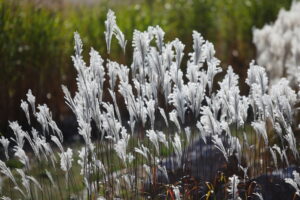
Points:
(274, 157)
(290, 138)
(25, 182)
(187, 131)
(140, 42)
(173, 118)
(202, 132)
(178, 100)
(66, 159)
(260, 129)
(31, 100)
(177, 148)
(159, 36)
(57, 142)
(162, 138)
(110, 24)
(7, 172)
(212, 71)
(24, 106)
(232, 187)
(5, 143)
(120, 147)
(179, 47)
(78, 44)
(164, 171)
(143, 151)
(120, 37)
(36, 183)
(219, 145)
(148, 172)
(113, 69)
(198, 55)
(18, 132)
(235, 148)
(152, 135)
(210, 124)
(163, 114)
(48, 174)
(150, 107)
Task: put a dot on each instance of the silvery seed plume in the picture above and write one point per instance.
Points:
(150, 107)
(5, 143)
(7, 172)
(57, 142)
(235, 148)
(21, 155)
(163, 114)
(141, 41)
(148, 172)
(187, 132)
(113, 69)
(177, 148)
(110, 24)
(31, 100)
(143, 151)
(179, 47)
(173, 118)
(78, 44)
(168, 55)
(162, 138)
(113, 96)
(232, 187)
(178, 100)
(274, 157)
(159, 36)
(260, 129)
(219, 145)
(18, 132)
(202, 132)
(164, 171)
(192, 72)
(282, 88)
(24, 106)
(120, 148)
(66, 159)
(25, 182)
(198, 55)
(120, 37)
(210, 124)
(290, 138)
(50, 178)
(212, 71)
(152, 135)
(209, 52)
(195, 96)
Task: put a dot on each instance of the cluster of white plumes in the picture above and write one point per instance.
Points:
(153, 85)
(278, 45)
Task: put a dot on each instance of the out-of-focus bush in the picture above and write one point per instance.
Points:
(36, 38)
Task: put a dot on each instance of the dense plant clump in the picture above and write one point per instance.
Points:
(171, 117)
(278, 45)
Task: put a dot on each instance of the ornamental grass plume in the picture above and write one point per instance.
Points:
(153, 130)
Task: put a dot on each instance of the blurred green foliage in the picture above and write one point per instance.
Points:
(36, 39)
